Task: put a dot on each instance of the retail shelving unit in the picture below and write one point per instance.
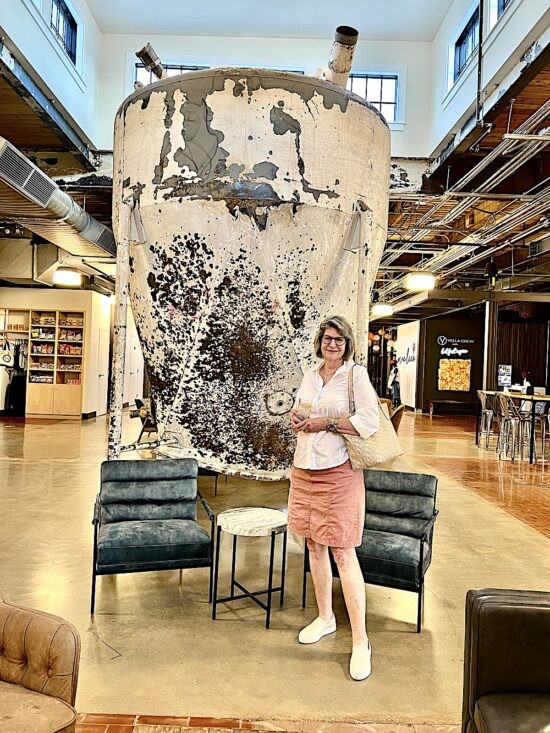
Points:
(55, 363)
(69, 365)
(14, 323)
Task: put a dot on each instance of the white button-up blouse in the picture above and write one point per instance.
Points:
(316, 451)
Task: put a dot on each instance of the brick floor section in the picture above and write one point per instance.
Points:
(101, 723)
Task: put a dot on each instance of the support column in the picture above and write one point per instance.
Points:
(364, 266)
(119, 337)
(490, 345)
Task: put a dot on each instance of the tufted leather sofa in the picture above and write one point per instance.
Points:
(39, 656)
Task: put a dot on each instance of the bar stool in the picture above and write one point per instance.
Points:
(508, 427)
(487, 416)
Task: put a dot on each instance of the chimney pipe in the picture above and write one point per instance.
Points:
(341, 56)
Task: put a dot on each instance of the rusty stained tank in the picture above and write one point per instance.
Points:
(262, 201)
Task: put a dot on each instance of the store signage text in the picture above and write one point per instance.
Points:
(408, 358)
(454, 346)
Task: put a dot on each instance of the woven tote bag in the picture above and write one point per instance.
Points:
(380, 447)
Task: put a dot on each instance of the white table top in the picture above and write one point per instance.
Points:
(252, 521)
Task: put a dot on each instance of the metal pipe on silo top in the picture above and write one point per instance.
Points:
(341, 56)
(119, 333)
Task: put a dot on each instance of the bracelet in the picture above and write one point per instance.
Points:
(332, 425)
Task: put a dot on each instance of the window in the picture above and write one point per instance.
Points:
(502, 5)
(64, 26)
(378, 89)
(466, 43)
(146, 77)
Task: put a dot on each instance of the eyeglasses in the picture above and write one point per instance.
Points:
(338, 340)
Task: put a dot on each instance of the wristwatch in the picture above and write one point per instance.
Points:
(332, 424)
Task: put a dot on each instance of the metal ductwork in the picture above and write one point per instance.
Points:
(25, 263)
(28, 196)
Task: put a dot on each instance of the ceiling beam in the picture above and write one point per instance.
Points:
(32, 95)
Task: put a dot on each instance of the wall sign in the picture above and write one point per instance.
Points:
(453, 371)
(407, 361)
(504, 375)
(453, 363)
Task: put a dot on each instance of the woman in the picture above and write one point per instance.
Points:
(327, 497)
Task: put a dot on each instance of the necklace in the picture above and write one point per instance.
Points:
(326, 376)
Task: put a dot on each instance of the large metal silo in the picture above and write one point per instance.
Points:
(260, 206)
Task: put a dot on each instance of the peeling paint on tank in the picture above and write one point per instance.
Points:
(201, 152)
(265, 169)
(283, 123)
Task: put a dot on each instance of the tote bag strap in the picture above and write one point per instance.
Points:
(351, 398)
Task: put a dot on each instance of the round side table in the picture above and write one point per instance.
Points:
(251, 522)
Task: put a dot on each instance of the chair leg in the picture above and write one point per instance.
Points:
(216, 568)
(92, 604)
(210, 584)
(304, 580)
(216, 486)
(420, 609)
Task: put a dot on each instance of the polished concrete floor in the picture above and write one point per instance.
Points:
(153, 648)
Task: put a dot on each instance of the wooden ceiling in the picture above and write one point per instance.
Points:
(462, 220)
(21, 125)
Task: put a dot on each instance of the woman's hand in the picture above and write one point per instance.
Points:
(312, 425)
(296, 422)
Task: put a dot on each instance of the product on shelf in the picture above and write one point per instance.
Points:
(39, 333)
(70, 335)
(69, 350)
(41, 378)
(40, 348)
(72, 380)
(43, 320)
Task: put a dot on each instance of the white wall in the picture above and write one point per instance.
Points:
(25, 25)
(97, 313)
(504, 44)
(411, 60)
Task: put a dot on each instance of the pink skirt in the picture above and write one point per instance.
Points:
(327, 506)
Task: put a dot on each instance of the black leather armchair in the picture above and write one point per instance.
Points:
(506, 662)
(396, 550)
(145, 518)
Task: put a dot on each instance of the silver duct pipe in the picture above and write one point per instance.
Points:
(341, 56)
(31, 197)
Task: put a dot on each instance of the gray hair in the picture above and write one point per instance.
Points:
(343, 328)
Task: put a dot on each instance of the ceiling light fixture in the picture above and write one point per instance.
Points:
(381, 310)
(420, 281)
(67, 276)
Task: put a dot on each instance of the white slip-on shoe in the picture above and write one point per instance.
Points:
(316, 630)
(360, 663)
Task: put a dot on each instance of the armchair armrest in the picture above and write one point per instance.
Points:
(206, 505)
(427, 529)
(97, 514)
(505, 645)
